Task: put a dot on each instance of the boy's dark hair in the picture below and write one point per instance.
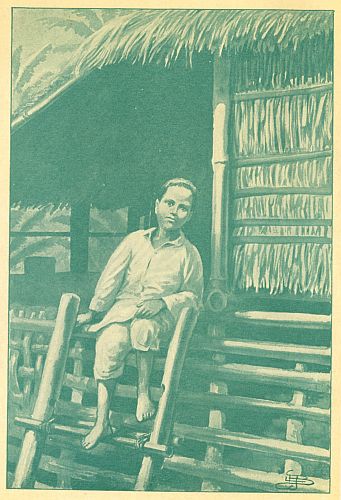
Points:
(179, 181)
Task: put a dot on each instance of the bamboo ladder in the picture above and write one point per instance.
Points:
(45, 426)
(291, 449)
(66, 435)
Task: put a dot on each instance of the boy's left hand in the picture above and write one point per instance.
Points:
(149, 308)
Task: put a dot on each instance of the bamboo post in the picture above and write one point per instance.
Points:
(49, 390)
(14, 356)
(38, 369)
(222, 104)
(27, 362)
(163, 423)
(219, 282)
(214, 454)
(294, 428)
(64, 477)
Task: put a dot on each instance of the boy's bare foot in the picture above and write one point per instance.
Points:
(145, 408)
(95, 435)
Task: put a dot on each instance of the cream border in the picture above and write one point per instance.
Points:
(5, 40)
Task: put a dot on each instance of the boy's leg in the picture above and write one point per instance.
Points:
(102, 425)
(146, 335)
(112, 346)
(145, 408)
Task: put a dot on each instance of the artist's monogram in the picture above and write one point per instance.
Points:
(292, 481)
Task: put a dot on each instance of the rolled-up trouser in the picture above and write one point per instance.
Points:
(116, 340)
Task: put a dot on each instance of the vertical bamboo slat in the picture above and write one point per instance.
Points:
(38, 369)
(214, 454)
(49, 390)
(164, 419)
(295, 427)
(27, 392)
(64, 477)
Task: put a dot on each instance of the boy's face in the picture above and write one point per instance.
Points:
(175, 208)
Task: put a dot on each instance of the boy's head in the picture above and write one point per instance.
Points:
(175, 202)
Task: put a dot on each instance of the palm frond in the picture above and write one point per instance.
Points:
(78, 27)
(16, 62)
(32, 90)
(90, 16)
(33, 62)
(109, 14)
(28, 218)
(29, 247)
(65, 47)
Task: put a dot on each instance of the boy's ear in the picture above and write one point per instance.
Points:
(157, 203)
(189, 216)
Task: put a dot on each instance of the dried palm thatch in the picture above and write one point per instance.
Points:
(293, 254)
(283, 206)
(282, 124)
(162, 35)
(299, 268)
(306, 174)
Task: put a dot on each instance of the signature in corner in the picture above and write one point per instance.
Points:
(293, 481)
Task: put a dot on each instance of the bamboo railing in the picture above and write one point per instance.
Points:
(68, 410)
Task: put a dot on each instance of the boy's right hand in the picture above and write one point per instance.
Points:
(85, 318)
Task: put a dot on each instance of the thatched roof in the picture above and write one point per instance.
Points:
(163, 36)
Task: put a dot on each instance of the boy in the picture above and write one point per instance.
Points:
(149, 278)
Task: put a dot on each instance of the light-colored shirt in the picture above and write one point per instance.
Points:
(137, 271)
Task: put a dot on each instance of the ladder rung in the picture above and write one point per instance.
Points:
(221, 401)
(311, 381)
(277, 447)
(276, 350)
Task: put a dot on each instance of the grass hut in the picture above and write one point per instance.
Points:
(272, 135)
(269, 79)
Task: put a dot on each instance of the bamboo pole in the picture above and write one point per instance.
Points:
(64, 477)
(215, 454)
(27, 363)
(294, 428)
(275, 93)
(49, 390)
(163, 424)
(281, 158)
(216, 299)
(25, 116)
(253, 374)
(253, 443)
(290, 352)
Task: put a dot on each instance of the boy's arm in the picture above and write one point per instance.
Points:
(193, 285)
(111, 278)
(108, 284)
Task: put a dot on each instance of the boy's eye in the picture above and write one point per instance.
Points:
(170, 203)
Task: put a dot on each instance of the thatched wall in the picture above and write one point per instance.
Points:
(282, 206)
